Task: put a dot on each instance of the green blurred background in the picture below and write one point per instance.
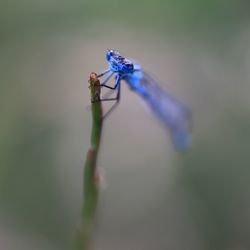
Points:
(153, 197)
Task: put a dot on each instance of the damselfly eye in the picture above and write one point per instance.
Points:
(109, 53)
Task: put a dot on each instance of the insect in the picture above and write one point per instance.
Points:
(174, 115)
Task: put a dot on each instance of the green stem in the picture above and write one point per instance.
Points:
(90, 176)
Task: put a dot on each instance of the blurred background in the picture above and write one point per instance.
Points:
(153, 197)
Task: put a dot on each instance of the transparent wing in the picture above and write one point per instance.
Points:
(171, 112)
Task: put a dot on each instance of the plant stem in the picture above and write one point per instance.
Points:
(90, 176)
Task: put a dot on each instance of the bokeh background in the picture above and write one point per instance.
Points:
(153, 197)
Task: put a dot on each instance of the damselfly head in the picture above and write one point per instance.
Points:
(111, 54)
(108, 55)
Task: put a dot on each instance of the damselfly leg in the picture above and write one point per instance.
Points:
(104, 73)
(117, 88)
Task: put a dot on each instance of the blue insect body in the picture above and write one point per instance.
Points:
(171, 112)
